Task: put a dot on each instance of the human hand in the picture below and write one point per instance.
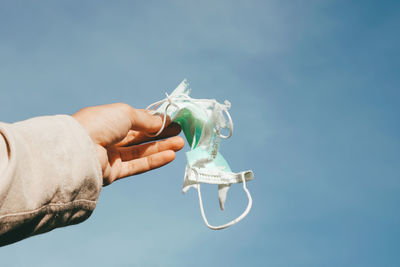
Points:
(119, 133)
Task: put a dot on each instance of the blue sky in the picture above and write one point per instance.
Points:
(314, 87)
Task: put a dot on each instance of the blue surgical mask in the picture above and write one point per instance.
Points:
(202, 122)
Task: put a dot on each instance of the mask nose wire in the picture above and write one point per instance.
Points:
(241, 216)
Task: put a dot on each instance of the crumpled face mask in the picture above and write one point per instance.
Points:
(202, 121)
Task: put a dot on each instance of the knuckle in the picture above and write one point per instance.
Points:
(123, 106)
(149, 163)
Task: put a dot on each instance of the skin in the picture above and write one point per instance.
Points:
(120, 134)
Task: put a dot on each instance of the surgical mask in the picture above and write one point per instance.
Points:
(202, 122)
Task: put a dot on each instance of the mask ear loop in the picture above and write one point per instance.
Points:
(154, 105)
(244, 214)
(225, 109)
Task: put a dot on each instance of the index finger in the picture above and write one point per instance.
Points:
(142, 120)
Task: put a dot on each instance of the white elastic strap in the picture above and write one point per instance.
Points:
(225, 109)
(170, 103)
(246, 211)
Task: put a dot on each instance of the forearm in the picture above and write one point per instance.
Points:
(50, 176)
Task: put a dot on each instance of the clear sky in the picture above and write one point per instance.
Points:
(314, 87)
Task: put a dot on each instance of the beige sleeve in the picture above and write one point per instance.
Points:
(50, 176)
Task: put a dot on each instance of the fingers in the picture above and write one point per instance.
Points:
(136, 137)
(138, 151)
(142, 120)
(145, 164)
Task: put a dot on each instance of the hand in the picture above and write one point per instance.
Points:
(119, 133)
